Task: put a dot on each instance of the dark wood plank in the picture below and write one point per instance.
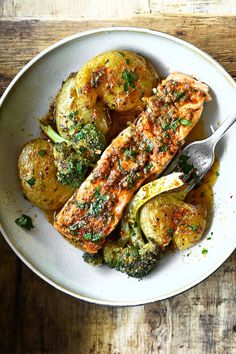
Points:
(36, 318)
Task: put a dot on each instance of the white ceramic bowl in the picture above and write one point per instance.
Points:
(43, 249)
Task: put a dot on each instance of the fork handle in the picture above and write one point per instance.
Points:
(217, 135)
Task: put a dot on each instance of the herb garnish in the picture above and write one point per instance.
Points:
(91, 236)
(204, 251)
(97, 205)
(149, 148)
(79, 168)
(179, 95)
(184, 121)
(129, 77)
(164, 148)
(121, 54)
(25, 222)
(127, 61)
(42, 153)
(193, 227)
(31, 181)
(130, 153)
(73, 114)
(170, 232)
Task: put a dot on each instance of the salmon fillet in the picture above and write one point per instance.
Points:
(140, 153)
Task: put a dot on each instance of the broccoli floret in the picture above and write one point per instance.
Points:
(130, 259)
(90, 142)
(74, 157)
(71, 166)
(95, 259)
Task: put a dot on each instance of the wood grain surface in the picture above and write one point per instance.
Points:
(87, 9)
(36, 318)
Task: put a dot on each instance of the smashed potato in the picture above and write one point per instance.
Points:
(165, 218)
(120, 78)
(71, 111)
(37, 173)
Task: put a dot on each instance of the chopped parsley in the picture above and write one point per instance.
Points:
(179, 95)
(204, 251)
(193, 227)
(31, 181)
(127, 61)
(73, 114)
(25, 222)
(170, 231)
(42, 153)
(129, 77)
(164, 148)
(120, 167)
(165, 126)
(149, 148)
(131, 181)
(130, 153)
(91, 236)
(148, 168)
(121, 54)
(79, 168)
(184, 121)
(217, 174)
(73, 228)
(97, 205)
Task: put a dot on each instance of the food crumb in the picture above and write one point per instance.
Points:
(204, 251)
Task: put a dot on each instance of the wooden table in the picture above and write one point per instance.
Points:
(36, 318)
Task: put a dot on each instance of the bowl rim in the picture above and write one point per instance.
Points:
(12, 84)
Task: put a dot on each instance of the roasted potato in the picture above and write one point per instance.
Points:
(165, 218)
(37, 173)
(71, 111)
(120, 78)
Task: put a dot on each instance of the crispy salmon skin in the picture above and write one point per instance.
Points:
(139, 153)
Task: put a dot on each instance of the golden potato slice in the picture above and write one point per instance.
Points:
(37, 173)
(119, 77)
(165, 218)
(71, 110)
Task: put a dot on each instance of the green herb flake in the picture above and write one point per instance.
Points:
(79, 168)
(149, 148)
(193, 227)
(73, 228)
(31, 181)
(217, 174)
(121, 54)
(82, 149)
(164, 148)
(120, 167)
(204, 251)
(170, 232)
(126, 86)
(179, 95)
(184, 121)
(208, 238)
(25, 222)
(129, 77)
(148, 168)
(165, 126)
(127, 61)
(91, 236)
(73, 114)
(42, 153)
(130, 153)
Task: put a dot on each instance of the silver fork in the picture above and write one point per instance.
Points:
(198, 157)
